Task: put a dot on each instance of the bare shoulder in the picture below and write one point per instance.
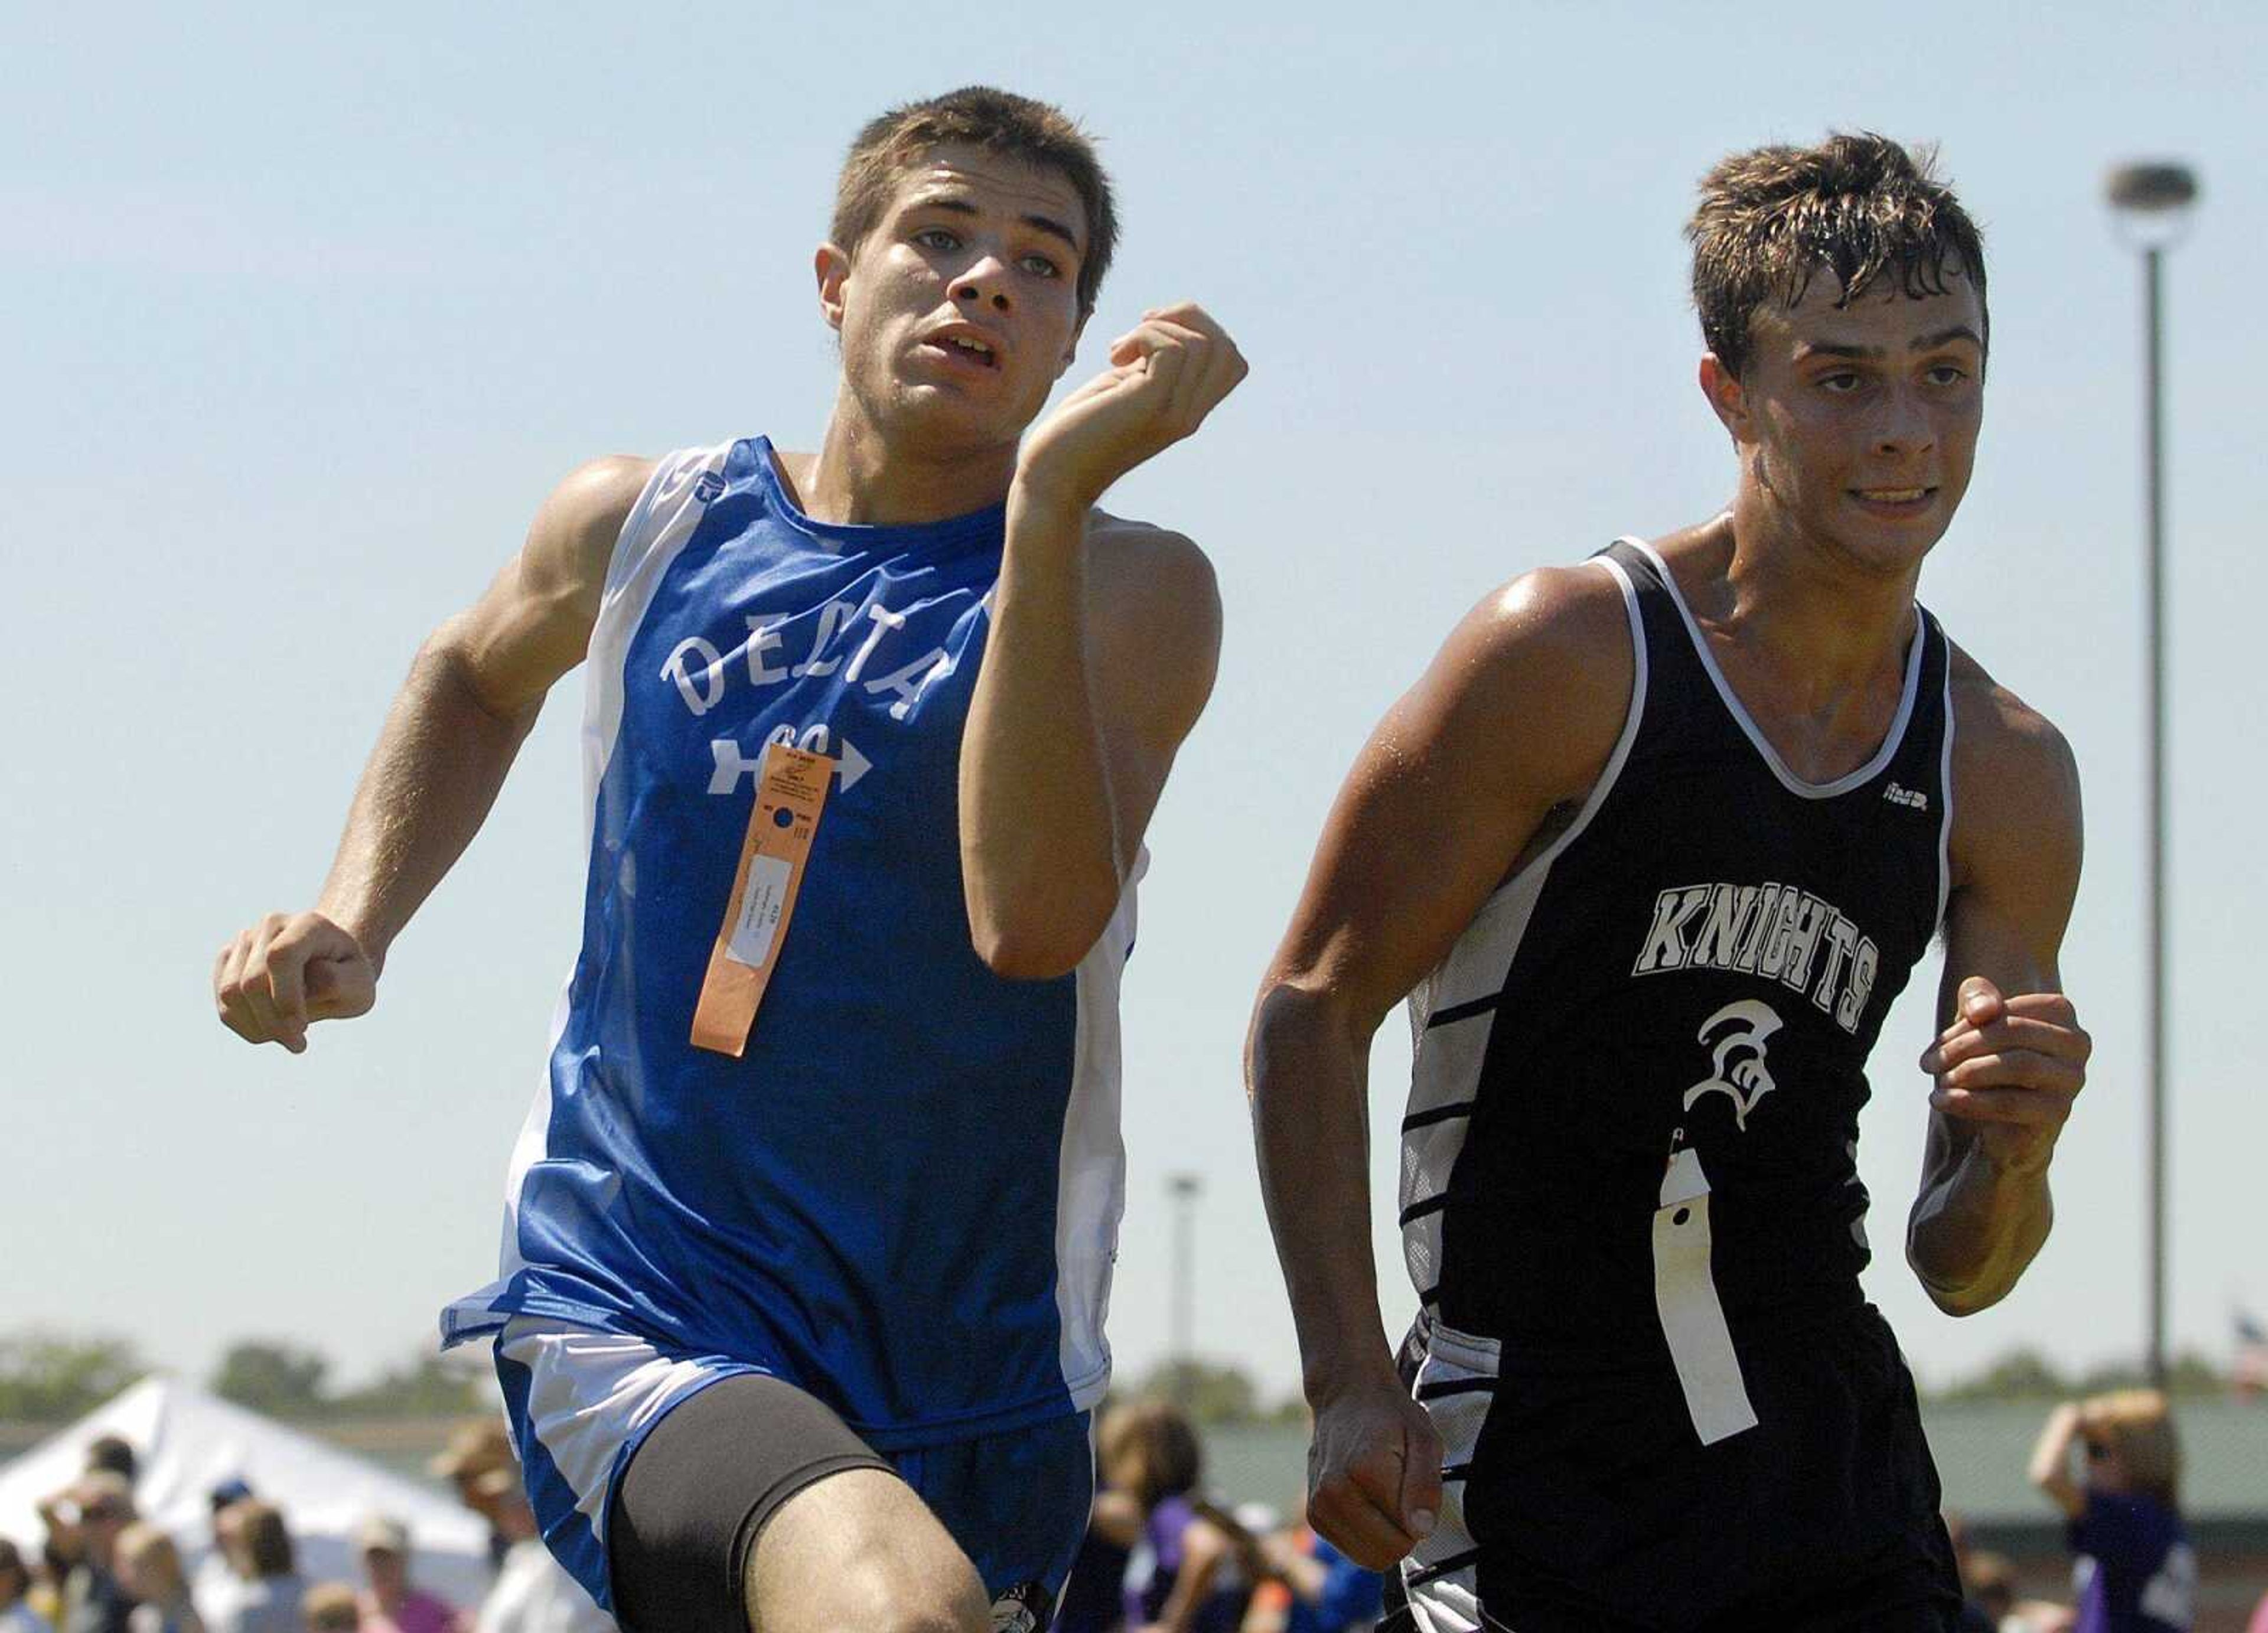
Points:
(1551, 647)
(1140, 560)
(574, 532)
(2015, 780)
(1154, 603)
(1525, 699)
(1553, 616)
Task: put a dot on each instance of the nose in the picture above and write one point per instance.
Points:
(985, 283)
(1906, 426)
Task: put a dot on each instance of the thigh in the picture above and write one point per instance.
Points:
(859, 1549)
(722, 1471)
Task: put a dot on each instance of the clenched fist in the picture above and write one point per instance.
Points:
(1164, 376)
(288, 971)
(2010, 1067)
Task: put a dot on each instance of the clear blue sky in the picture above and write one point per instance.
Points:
(302, 310)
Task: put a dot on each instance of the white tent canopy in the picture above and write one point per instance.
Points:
(189, 1441)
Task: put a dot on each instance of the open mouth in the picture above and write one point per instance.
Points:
(965, 348)
(1895, 500)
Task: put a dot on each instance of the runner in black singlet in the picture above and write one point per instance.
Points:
(1669, 830)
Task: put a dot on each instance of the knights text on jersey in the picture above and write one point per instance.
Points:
(904, 1196)
(1634, 1110)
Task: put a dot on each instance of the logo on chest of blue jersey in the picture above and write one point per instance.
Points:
(733, 762)
(843, 643)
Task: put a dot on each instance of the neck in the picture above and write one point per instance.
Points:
(862, 476)
(1822, 614)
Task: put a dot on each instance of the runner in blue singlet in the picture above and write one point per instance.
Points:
(806, 1336)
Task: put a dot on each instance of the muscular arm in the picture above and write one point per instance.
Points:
(1102, 655)
(1516, 718)
(1105, 638)
(452, 734)
(2010, 1056)
(2051, 1468)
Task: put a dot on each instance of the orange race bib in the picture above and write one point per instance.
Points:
(790, 795)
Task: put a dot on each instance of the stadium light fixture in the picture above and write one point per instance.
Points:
(2150, 204)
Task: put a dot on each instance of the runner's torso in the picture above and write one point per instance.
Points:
(904, 1196)
(1698, 966)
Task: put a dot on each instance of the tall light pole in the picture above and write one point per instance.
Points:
(2151, 203)
(1182, 1333)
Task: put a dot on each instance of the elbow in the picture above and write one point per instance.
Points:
(1951, 1294)
(1295, 1018)
(1035, 945)
(1025, 957)
(1961, 1301)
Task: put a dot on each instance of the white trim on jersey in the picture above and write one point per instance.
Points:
(1794, 783)
(1091, 1165)
(1456, 1385)
(658, 528)
(1447, 1069)
(1945, 793)
(590, 1395)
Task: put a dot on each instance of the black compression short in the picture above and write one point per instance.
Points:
(701, 1487)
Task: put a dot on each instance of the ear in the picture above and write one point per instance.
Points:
(832, 265)
(1729, 400)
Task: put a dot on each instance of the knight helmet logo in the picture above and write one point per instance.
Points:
(1023, 1609)
(1736, 1035)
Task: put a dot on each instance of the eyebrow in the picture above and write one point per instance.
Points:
(962, 207)
(1926, 343)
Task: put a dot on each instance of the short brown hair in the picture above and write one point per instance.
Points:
(1771, 217)
(998, 122)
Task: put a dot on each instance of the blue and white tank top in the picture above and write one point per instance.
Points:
(904, 1197)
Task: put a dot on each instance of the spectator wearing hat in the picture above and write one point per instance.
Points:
(260, 1546)
(150, 1570)
(113, 1455)
(334, 1607)
(215, 1585)
(16, 1615)
(477, 1448)
(390, 1604)
(532, 1593)
(2135, 1572)
(86, 1521)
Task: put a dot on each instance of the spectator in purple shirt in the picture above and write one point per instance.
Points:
(390, 1604)
(2134, 1570)
(1189, 1570)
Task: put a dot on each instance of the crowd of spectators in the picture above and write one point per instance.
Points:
(102, 1569)
(1161, 1556)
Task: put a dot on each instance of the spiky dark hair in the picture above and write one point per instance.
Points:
(1860, 205)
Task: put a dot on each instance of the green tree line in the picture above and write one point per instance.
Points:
(51, 1378)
